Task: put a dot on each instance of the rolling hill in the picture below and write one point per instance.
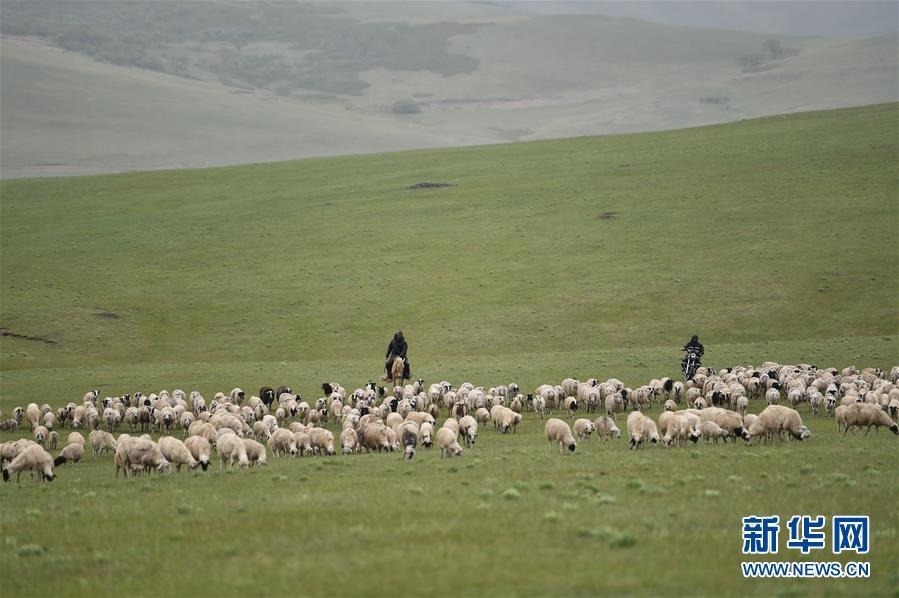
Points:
(771, 238)
(86, 89)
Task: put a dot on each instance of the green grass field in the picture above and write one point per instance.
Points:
(773, 239)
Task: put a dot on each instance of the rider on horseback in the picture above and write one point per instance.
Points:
(398, 348)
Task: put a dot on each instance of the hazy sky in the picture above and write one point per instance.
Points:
(841, 18)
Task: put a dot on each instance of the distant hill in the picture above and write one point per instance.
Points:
(93, 87)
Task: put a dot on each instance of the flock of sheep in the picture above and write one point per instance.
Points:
(711, 405)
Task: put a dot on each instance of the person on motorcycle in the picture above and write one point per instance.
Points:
(398, 348)
(694, 347)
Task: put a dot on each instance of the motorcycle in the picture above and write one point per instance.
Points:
(690, 363)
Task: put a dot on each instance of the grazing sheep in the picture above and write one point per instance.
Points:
(34, 458)
(231, 448)
(548, 394)
(186, 419)
(583, 428)
(867, 415)
(374, 436)
(749, 420)
(282, 442)
(75, 437)
(468, 428)
(204, 429)
(304, 442)
(349, 440)
(640, 431)
(539, 405)
(420, 417)
(676, 428)
(614, 404)
(670, 405)
(49, 420)
(200, 450)
(322, 441)
(558, 432)
(505, 419)
(52, 440)
(731, 421)
(774, 420)
(72, 452)
(40, 435)
(452, 424)
(135, 455)
(409, 439)
(712, 431)
(605, 427)
(637, 429)
(893, 407)
(177, 453)
(102, 441)
(448, 442)
(256, 454)
(426, 434)
(571, 406)
(33, 414)
(772, 396)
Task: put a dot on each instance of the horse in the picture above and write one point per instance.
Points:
(397, 369)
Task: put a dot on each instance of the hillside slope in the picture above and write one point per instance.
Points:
(235, 83)
(771, 238)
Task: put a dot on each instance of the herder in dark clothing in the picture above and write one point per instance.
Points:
(398, 348)
(694, 346)
(689, 363)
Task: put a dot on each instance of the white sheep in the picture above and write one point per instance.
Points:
(231, 448)
(200, 449)
(102, 440)
(33, 415)
(349, 440)
(583, 428)
(505, 419)
(774, 420)
(374, 436)
(731, 421)
(468, 429)
(75, 437)
(448, 442)
(134, 455)
(640, 431)
(256, 454)
(614, 404)
(282, 442)
(712, 431)
(426, 434)
(71, 452)
(867, 415)
(676, 428)
(322, 441)
(32, 457)
(558, 432)
(177, 453)
(605, 427)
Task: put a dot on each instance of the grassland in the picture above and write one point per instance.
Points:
(771, 239)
